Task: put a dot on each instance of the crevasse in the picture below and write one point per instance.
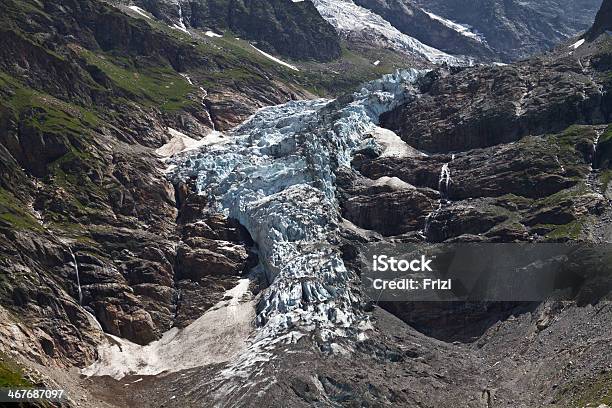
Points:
(276, 177)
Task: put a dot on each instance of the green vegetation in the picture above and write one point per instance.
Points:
(12, 212)
(45, 113)
(570, 231)
(155, 85)
(563, 195)
(606, 178)
(576, 133)
(347, 73)
(588, 392)
(606, 137)
(10, 374)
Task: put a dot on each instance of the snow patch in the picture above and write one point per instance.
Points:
(187, 78)
(265, 54)
(139, 11)
(181, 143)
(217, 336)
(393, 182)
(577, 44)
(212, 34)
(183, 28)
(464, 30)
(393, 145)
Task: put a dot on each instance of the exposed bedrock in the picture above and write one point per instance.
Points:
(212, 255)
(387, 205)
(487, 106)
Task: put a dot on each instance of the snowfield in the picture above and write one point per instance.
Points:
(216, 337)
(349, 19)
(273, 58)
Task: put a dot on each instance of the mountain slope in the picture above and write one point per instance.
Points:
(431, 29)
(603, 21)
(514, 154)
(291, 29)
(518, 29)
(488, 30)
(157, 226)
(87, 94)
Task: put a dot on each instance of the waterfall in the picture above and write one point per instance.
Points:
(76, 271)
(444, 183)
(598, 134)
(445, 180)
(180, 11)
(209, 117)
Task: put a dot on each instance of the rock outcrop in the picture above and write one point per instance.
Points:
(88, 220)
(603, 20)
(519, 29)
(291, 29)
(95, 241)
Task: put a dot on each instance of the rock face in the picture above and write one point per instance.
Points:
(517, 29)
(488, 30)
(603, 20)
(292, 29)
(484, 107)
(92, 232)
(420, 23)
(513, 154)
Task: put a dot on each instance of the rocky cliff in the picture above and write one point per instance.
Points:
(517, 29)
(291, 29)
(431, 29)
(603, 21)
(88, 219)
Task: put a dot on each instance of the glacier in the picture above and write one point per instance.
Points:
(276, 177)
(275, 174)
(348, 18)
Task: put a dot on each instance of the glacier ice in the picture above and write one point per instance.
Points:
(276, 176)
(347, 18)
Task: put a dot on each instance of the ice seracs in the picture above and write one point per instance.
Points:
(276, 177)
(275, 174)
